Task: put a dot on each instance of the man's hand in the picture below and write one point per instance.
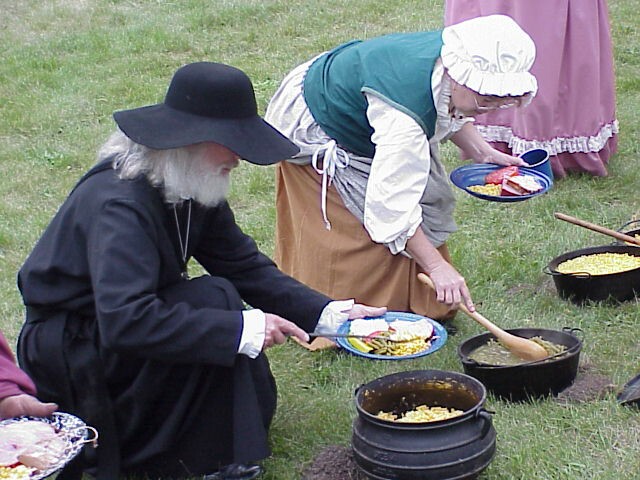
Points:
(18, 405)
(361, 311)
(277, 329)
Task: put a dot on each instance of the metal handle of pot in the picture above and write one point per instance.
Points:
(630, 222)
(488, 420)
(572, 331)
(582, 275)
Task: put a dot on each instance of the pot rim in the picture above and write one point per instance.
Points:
(474, 411)
(568, 331)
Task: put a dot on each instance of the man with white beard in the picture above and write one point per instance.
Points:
(170, 370)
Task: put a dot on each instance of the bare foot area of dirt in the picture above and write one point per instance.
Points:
(588, 386)
(334, 463)
(546, 286)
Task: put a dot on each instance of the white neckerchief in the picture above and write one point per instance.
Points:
(333, 157)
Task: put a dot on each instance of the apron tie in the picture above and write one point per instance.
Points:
(333, 157)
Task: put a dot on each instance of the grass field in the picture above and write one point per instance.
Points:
(66, 66)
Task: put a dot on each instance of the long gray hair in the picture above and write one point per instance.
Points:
(178, 172)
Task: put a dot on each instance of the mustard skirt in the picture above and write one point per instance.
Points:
(342, 262)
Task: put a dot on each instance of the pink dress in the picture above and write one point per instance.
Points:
(573, 115)
(13, 381)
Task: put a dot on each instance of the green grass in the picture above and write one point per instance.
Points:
(66, 66)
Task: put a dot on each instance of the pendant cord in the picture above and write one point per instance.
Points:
(184, 246)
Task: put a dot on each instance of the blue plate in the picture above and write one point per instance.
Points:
(438, 339)
(467, 175)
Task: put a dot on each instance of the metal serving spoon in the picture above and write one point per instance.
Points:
(521, 347)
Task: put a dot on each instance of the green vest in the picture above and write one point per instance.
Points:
(397, 68)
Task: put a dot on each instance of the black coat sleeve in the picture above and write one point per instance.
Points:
(226, 251)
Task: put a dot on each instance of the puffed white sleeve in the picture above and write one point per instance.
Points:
(398, 177)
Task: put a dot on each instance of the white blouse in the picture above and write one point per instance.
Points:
(401, 163)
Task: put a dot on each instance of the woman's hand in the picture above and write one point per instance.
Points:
(18, 405)
(499, 158)
(451, 288)
(471, 142)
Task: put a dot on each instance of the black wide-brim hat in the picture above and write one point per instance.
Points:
(208, 102)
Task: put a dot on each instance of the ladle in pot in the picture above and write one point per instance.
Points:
(597, 228)
(521, 347)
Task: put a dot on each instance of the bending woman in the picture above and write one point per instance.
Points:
(367, 204)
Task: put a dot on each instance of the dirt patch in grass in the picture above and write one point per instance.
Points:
(588, 386)
(545, 286)
(335, 462)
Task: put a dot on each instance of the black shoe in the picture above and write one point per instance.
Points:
(236, 471)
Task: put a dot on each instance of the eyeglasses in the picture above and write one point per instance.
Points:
(488, 108)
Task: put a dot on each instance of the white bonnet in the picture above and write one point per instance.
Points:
(490, 55)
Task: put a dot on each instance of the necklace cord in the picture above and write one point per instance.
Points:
(184, 246)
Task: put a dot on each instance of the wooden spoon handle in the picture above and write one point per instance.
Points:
(485, 322)
(597, 228)
(522, 347)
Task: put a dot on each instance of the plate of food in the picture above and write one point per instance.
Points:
(394, 336)
(32, 448)
(500, 184)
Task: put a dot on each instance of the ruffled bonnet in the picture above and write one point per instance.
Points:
(490, 55)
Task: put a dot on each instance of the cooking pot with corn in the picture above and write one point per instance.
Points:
(604, 273)
(455, 446)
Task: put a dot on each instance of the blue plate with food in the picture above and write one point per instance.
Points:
(497, 183)
(393, 336)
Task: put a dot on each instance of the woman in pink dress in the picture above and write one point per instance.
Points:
(573, 115)
(17, 391)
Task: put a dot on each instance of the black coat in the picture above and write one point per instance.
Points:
(109, 267)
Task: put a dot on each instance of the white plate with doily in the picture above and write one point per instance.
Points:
(71, 434)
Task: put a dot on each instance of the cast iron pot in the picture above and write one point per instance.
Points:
(582, 287)
(457, 448)
(528, 380)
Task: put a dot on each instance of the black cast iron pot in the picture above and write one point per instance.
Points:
(582, 287)
(456, 448)
(528, 380)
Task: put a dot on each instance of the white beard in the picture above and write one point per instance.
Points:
(192, 178)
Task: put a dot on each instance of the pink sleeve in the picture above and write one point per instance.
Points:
(13, 381)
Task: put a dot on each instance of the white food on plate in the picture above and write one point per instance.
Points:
(33, 443)
(521, 185)
(406, 330)
(401, 329)
(361, 326)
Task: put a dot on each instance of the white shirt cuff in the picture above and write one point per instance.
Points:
(334, 315)
(253, 332)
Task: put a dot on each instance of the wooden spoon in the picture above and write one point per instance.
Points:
(521, 347)
(597, 228)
